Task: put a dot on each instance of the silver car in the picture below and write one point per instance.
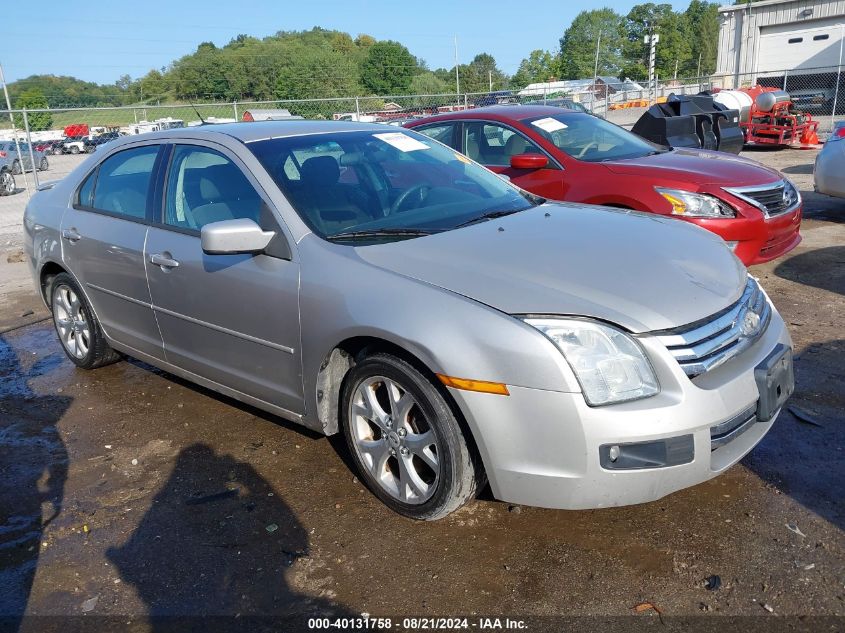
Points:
(457, 330)
(24, 161)
(829, 169)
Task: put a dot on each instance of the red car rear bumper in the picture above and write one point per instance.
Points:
(759, 240)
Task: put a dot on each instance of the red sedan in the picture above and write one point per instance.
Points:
(567, 155)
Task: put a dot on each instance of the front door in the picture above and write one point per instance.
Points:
(493, 144)
(232, 319)
(103, 237)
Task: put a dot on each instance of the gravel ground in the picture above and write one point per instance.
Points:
(127, 492)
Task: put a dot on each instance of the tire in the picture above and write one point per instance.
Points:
(44, 165)
(74, 149)
(7, 183)
(78, 330)
(16, 167)
(419, 466)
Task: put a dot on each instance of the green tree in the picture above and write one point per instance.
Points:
(480, 73)
(672, 52)
(702, 26)
(387, 68)
(578, 44)
(315, 73)
(428, 83)
(33, 99)
(539, 66)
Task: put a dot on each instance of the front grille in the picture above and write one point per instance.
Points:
(704, 345)
(773, 199)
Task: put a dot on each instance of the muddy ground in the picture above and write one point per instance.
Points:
(128, 492)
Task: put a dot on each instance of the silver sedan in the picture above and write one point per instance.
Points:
(829, 170)
(23, 161)
(455, 329)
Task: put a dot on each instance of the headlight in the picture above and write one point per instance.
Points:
(609, 364)
(695, 205)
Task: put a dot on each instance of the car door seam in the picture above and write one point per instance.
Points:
(150, 293)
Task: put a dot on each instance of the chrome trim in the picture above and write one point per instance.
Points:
(742, 193)
(704, 345)
(727, 431)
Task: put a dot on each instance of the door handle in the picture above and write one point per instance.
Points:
(162, 260)
(71, 235)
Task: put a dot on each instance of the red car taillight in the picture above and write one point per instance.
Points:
(838, 134)
(2, 154)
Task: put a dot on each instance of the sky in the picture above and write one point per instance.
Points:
(99, 40)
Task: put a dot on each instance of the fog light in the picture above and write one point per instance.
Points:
(613, 453)
(732, 245)
(670, 451)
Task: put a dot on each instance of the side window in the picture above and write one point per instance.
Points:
(123, 182)
(442, 133)
(86, 191)
(204, 186)
(491, 144)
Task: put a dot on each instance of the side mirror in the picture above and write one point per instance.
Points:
(529, 161)
(230, 237)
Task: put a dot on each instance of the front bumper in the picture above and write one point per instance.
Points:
(543, 448)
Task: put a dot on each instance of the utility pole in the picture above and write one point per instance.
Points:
(15, 132)
(651, 39)
(457, 73)
(596, 69)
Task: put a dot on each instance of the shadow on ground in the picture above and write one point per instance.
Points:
(33, 471)
(821, 268)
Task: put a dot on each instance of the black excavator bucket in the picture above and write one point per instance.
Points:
(691, 121)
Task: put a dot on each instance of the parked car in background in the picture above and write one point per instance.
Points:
(829, 169)
(24, 160)
(568, 104)
(7, 178)
(54, 147)
(369, 281)
(91, 144)
(581, 158)
(74, 145)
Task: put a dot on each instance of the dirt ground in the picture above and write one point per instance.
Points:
(127, 493)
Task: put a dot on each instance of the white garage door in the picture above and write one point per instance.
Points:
(787, 47)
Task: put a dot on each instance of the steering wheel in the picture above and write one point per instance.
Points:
(589, 145)
(417, 188)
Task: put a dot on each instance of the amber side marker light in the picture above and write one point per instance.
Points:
(474, 385)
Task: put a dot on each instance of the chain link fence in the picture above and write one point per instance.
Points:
(818, 92)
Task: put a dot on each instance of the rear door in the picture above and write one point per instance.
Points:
(232, 319)
(103, 235)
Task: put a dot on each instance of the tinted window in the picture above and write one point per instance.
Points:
(123, 181)
(382, 181)
(86, 191)
(590, 138)
(204, 186)
(491, 144)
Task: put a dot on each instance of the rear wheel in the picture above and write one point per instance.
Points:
(74, 149)
(44, 165)
(16, 167)
(405, 439)
(79, 331)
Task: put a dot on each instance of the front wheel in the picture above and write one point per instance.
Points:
(45, 165)
(16, 168)
(74, 150)
(79, 331)
(7, 183)
(405, 439)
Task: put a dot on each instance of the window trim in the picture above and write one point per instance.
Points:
(95, 172)
(554, 164)
(451, 123)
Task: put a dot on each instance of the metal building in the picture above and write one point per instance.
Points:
(778, 38)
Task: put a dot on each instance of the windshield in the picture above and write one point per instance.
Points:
(383, 185)
(590, 138)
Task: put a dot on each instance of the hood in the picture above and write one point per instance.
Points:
(698, 166)
(637, 270)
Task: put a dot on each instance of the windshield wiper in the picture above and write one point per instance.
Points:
(490, 215)
(352, 235)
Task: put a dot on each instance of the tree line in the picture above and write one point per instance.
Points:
(322, 63)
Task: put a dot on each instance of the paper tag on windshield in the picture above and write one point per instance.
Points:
(402, 142)
(549, 124)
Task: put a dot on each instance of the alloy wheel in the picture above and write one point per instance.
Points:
(394, 441)
(74, 329)
(7, 183)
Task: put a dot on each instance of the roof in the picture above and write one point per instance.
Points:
(752, 5)
(506, 112)
(248, 132)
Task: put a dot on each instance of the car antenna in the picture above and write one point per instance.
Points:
(202, 121)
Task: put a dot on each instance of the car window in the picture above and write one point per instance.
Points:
(86, 191)
(442, 133)
(123, 182)
(492, 144)
(204, 186)
(395, 184)
(590, 138)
